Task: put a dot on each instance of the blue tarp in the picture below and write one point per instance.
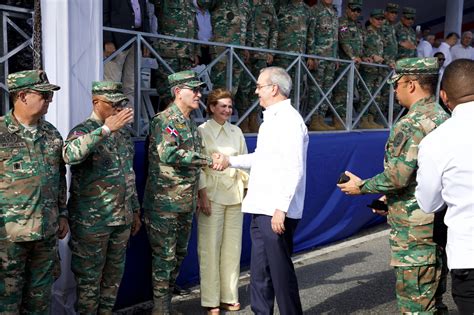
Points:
(328, 215)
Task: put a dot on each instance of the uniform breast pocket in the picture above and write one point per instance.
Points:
(17, 164)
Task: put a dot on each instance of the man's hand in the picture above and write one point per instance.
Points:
(408, 45)
(204, 204)
(63, 228)
(219, 161)
(278, 222)
(109, 49)
(145, 52)
(136, 223)
(117, 121)
(246, 54)
(377, 59)
(269, 59)
(357, 60)
(312, 64)
(352, 186)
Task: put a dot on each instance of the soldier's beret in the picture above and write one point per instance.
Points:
(111, 91)
(409, 66)
(30, 80)
(188, 78)
(409, 12)
(392, 7)
(354, 4)
(377, 13)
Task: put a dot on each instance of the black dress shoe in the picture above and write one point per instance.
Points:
(177, 290)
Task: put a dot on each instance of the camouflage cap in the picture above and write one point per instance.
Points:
(354, 4)
(392, 7)
(377, 13)
(408, 12)
(188, 78)
(111, 91)
(30, 80)
(409, 66)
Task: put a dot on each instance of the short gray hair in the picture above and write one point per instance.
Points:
(280, 78)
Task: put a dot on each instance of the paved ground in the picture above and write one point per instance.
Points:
(352, 277)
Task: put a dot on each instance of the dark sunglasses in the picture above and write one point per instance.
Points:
(410, 18)
(46, 95)
(379, 18)
(196, 89)
(356, 10)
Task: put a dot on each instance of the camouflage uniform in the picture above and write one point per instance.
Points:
(32, 197)
(102, 200)
(406, 33)
(390, 50)
(230, 22)
(175, 162)
(326, 45)
(373, 45)
(263, 33)
(351, 43)
(295, 33)
(414, 253)
(176, 18)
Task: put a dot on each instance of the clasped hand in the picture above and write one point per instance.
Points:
(219, 161)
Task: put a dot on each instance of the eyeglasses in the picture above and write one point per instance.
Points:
(196, 89)
(46, 95)
(356, 10)
(262, 86)
(379, 18)
(409, 18)
(115, 105)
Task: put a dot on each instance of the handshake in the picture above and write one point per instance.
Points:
(219, 161)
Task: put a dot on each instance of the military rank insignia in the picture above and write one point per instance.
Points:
(170, 130)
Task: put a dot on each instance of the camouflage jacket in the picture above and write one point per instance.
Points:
(326, 30)
(230, 21)
(351, 40)
(390, 45)
(175, 160)
(102, 191)
(176, 18)
(32, 180)
(296, 29)
(405, 33)
(373, 45)
(263, 32)
(411, 236)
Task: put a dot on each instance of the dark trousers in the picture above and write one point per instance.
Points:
(271, 270)
(463, 290)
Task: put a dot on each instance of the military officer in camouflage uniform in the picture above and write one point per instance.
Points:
(263, 33)
(103, 205)
(373, 51)
(351, 42)
(325, 45)
(32, 196)
(175, 162)
(390, 48)
(176, 18)
(406, 35)
(230, 21)
(415, 255)
(295, 34)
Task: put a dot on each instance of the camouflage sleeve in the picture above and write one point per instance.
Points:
(245, 22)
(134, 199)
(80, 143)
(62, 197)
(170, 151)
(400, 162)
(273, 40)
(310, 43)
(344, 41)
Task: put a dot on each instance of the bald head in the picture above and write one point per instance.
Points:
(458, 82)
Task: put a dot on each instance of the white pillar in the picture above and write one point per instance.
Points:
(454, 15)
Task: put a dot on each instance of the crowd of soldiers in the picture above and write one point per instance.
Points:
(293, 26)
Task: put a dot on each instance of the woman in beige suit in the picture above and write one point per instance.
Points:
(220, 219)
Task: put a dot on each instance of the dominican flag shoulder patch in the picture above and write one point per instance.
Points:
(343, 29)
(170, 130)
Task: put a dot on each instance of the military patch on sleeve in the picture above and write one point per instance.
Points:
(170, 130)
(78, 133)
(343, 29)
(398, 142)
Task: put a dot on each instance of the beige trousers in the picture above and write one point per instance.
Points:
(122, 69)
(219, 247)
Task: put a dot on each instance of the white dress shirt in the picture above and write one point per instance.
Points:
(446, 175)
(278, 165)
(424, 49)
(460, 52)
(446, 50)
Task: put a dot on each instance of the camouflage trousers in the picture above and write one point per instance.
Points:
(340, 91)
(219, 75)
(416, 288)
(324, 75)
(98, 260)
(168, 234)
(162, 86)
(373, 80)
(246, 96)
(26, 276)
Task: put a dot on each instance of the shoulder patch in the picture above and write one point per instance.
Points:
(398, 139)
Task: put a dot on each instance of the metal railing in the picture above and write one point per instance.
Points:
(8, 13)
